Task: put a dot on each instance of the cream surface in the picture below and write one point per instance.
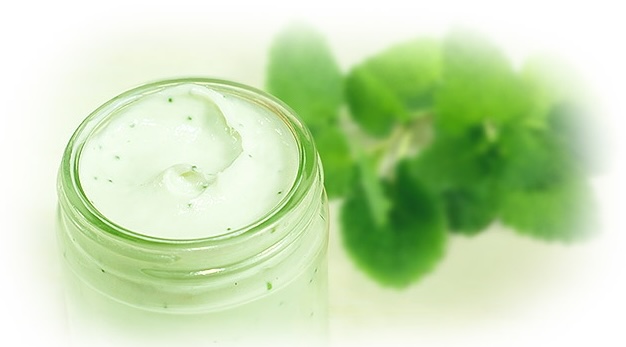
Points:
(188, 162)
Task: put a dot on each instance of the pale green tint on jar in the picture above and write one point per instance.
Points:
(262, 282)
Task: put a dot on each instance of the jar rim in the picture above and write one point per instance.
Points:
(70, 185)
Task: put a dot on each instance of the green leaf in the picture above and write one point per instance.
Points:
(479, 86)
(304, 74)
(408, 246)
(562, 211)
(389, 87)
(373, 106)
(545, 193)
(462, 171)
(334, 151)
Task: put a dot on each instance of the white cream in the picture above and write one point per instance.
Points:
(188, 162)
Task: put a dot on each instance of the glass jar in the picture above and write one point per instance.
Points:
(264, 284)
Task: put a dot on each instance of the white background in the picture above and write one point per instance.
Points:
(59, 61)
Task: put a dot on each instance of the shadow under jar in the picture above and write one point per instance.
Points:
(192, 212)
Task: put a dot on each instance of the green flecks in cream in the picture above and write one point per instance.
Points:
(269, 285)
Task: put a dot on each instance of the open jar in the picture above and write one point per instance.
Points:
(140, 274)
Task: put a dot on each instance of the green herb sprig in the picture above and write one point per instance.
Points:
(439, 135)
